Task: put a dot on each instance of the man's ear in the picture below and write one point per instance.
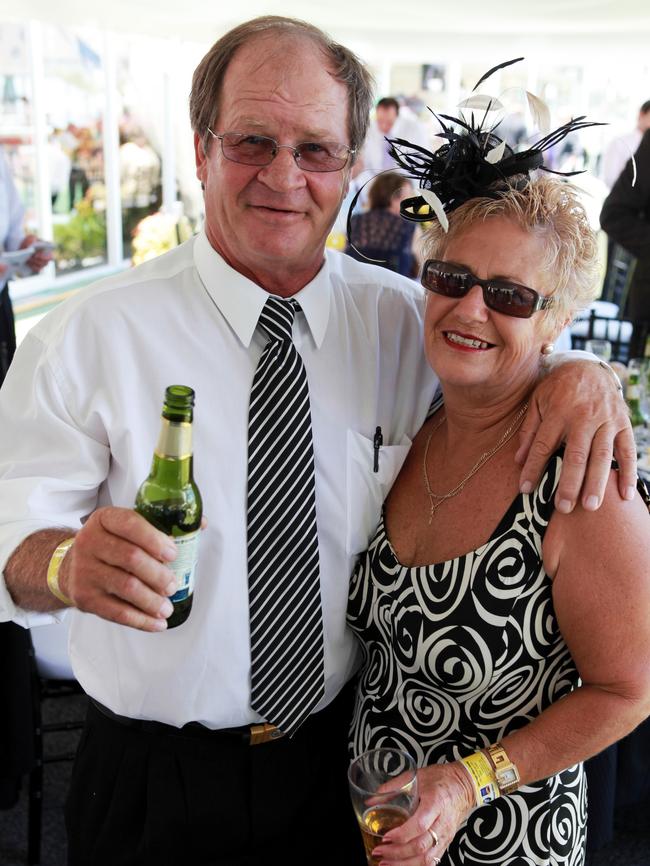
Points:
(201, 159)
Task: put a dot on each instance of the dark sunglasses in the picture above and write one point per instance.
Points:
(510, 299)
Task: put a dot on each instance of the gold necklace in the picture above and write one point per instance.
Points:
(482, 460)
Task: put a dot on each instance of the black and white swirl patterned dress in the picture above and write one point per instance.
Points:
(458, 655)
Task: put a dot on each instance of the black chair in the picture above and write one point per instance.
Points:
(623, 334)
(48, 689)
(620, 268)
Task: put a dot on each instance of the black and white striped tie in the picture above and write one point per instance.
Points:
(286, 623)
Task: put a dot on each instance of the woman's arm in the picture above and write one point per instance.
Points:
(600, 563)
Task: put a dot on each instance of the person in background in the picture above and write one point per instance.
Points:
(625, 218)
(380, 234)
(224, 740)
(621, 148)
(60, 165)
(390, 122)
(490, 625)
(12, 237)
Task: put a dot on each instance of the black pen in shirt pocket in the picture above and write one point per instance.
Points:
(377, 442)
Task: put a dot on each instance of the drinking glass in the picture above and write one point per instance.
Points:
(600, 348)
(384, 792)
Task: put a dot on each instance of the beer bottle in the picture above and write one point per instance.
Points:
(170, 500)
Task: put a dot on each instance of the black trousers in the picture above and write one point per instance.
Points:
(138, 797)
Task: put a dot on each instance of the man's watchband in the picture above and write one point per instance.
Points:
(53, 572)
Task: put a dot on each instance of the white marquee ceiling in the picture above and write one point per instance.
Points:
(203, 20)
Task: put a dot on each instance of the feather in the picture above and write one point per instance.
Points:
(479, 100)
(436, 206)
(496, 154)
(493, 70)
(540, 112)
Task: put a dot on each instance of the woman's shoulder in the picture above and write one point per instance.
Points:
(599, 536)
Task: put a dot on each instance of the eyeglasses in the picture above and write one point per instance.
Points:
(510, 299)
(248, 149)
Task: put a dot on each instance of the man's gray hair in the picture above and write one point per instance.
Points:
(345, 65)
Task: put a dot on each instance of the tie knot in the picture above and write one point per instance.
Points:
(277, 317)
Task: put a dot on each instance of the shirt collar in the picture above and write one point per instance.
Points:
(240, 300)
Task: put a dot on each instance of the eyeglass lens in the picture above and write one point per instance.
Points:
(507, 298)
(260, 150)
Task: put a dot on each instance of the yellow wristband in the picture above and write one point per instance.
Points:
(483, 777)
(53, 572)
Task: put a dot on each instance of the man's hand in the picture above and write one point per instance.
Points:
(115, 569)
(40, 258)
(579, 404)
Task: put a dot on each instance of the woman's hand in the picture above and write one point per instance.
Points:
(578, 403)
(446, 799)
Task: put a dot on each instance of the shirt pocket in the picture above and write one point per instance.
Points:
(368, 489)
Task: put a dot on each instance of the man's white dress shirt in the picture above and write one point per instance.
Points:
(79, 419)
(375, 149)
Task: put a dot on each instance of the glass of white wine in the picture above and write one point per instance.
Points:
(384, 791)
(600, 348)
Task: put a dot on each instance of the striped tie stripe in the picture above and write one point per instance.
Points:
(286, 625)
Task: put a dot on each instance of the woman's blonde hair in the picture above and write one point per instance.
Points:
(551, 209)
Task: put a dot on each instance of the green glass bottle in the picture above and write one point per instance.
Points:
(633, 399)
(169, 498)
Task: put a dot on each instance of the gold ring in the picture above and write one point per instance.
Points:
(434, 840)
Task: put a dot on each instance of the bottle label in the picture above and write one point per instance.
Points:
(184, 566)
(175, 440)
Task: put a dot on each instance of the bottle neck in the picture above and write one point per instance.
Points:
(172, 459)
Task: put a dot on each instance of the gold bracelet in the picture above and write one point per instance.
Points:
(53, 572)
(484, 780)
(507, 774)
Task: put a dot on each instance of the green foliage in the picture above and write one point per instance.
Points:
(82, 237)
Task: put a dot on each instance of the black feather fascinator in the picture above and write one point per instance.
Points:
(473, 159)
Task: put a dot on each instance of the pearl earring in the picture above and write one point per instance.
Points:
(547, 348)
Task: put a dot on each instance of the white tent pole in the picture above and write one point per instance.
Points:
(43, 200)
(168, 149)
(114, 247)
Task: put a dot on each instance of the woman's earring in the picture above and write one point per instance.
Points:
(203, 187)
(547, 348)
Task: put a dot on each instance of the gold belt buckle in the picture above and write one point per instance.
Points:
(264, 734)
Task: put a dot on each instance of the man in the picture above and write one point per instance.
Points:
(12, 237)
(170, 770)
(626, 219)
(621, 148)
(391, 122)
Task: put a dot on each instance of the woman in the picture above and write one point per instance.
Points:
(380, 234)
(508, 634)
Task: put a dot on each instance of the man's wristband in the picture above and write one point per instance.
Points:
(53, 572)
